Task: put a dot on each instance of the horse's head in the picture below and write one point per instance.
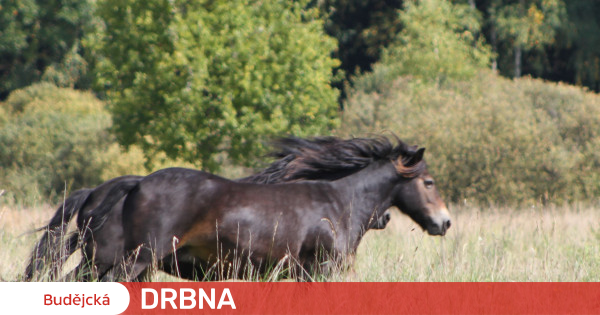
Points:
(416, 194)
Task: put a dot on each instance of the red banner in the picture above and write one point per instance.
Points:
(363, 298)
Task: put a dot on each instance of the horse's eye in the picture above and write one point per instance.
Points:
(429, 183)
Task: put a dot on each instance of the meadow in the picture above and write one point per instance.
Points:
(545, 243)
(154, 97)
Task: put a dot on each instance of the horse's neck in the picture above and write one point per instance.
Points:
(367, 191)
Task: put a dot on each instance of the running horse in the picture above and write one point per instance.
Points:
(316, 224)
(106, 244)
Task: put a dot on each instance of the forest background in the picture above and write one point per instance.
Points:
(501, 93)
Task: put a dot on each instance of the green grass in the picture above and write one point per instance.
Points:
(484, 244)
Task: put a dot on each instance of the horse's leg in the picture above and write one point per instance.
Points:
(184, 265)
(304, 273)
(182, 268)
(304, 269)
(145, 275)
(320, 264)
(136, 262)
(142, 258)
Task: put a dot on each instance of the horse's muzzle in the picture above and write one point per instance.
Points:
(440, 226)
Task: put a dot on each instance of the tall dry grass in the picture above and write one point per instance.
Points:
(17, 238)
(484, 244)
(492, 244)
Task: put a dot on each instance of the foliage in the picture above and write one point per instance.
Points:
(552, 39)
(362, 28)
(490, 140)
(194, 79)
(556, 40)
(530, 24)
(578, 49)
(40, 39)
(527, 25)
(54, 139)
(437, 42)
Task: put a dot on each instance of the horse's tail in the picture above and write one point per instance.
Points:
(50, 250)
(98, 216)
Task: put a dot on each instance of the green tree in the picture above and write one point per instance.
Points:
(437, 42)
(362, 28)
(40, 39)
(194, 79)
(527, 25)
(570, 33)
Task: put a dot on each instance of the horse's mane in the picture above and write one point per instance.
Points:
(331, 158)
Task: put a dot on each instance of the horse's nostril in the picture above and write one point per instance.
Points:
(448, 223)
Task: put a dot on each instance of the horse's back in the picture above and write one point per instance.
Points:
(186, 175)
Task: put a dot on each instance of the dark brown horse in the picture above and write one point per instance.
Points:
(218, 221)
(106, 244)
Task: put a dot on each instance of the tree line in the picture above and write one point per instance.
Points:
(551, 39)
(208, 81)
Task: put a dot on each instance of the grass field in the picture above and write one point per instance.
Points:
(484, 244)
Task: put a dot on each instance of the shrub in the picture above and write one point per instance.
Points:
(490, 140)
(54, 138)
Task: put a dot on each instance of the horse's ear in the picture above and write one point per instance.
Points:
(415, 158)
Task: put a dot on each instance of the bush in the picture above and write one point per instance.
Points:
(490, 140)
(55, 139)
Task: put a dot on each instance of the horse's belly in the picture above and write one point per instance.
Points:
(202, 250)
(200, 241)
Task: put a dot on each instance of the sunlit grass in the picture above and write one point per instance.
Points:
(493, 244)
(483, 244)
(17, 239)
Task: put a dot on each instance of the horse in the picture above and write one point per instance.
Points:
(316, 224)
(107, 243)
